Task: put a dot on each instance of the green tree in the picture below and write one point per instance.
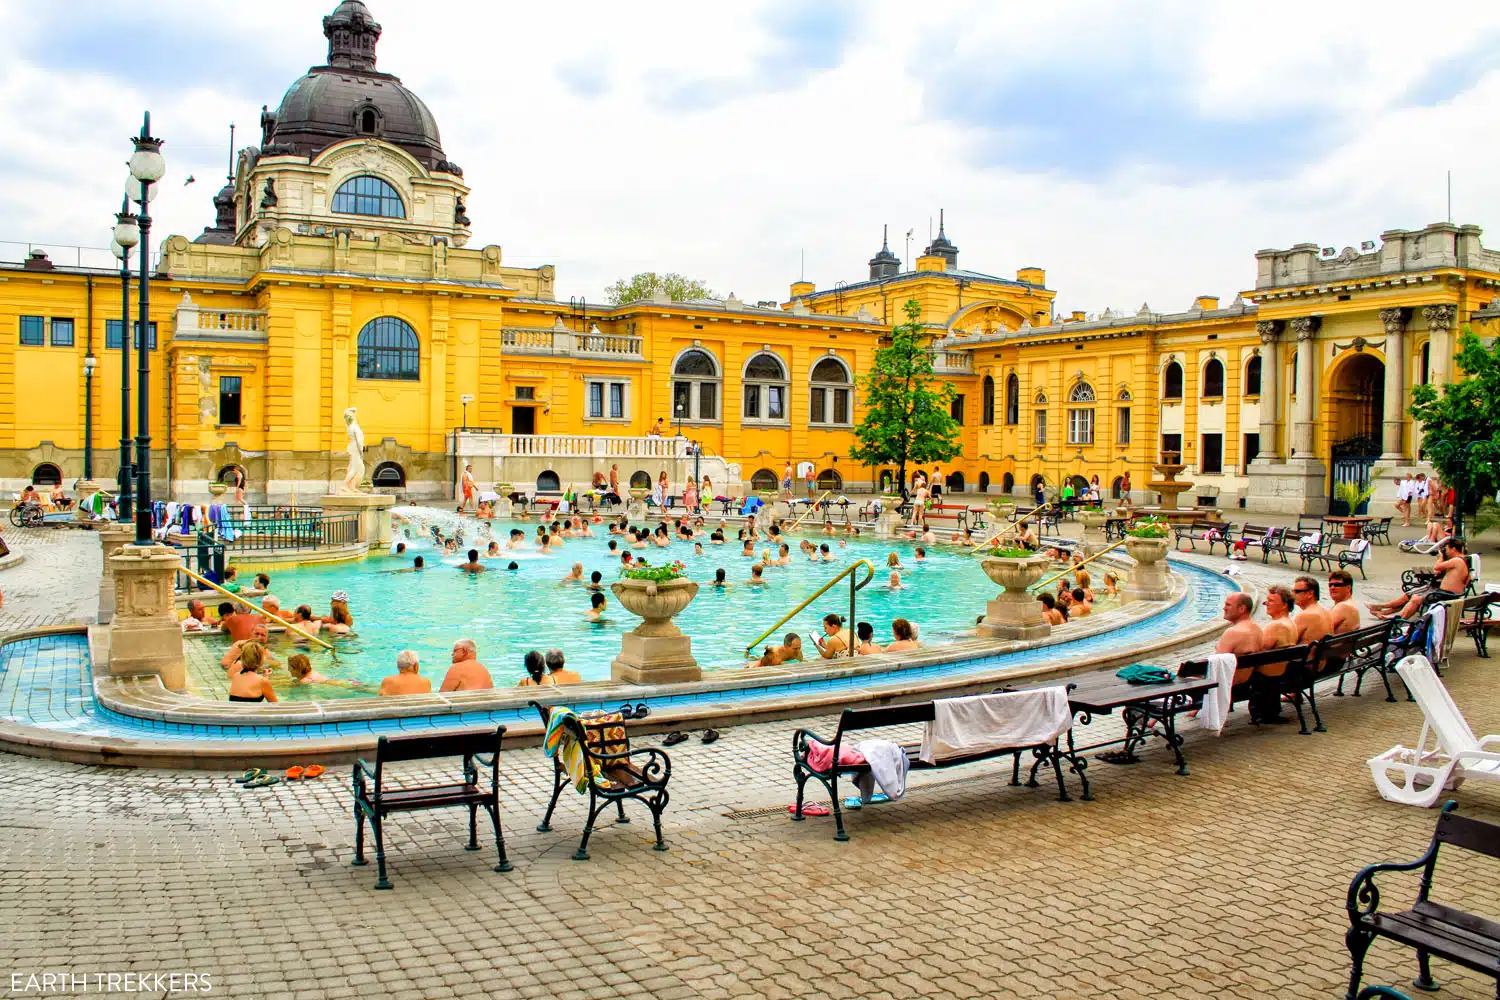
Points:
(907, 415)
(647, 283)
(1461, 424)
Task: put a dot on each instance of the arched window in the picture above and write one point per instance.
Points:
(1213, 379)
(955, 483)
(984, 482)
(1012, 400)
(763, 481)
(695, 386)
(1040, 418)
(640, 479)
(1116, 489)
(1252, 377)
(388, 349)
(829, 479)
(1426, 371)
(1007, 483)
(367, 121)
(548, 482)
(390, 475)
(46, 474)
(830, 393)
(368, 195)
(1172, 381)
(765, 389)
(886, 480)
(987, 402)
(231, 474)
(1038, 482)
(1081, 401)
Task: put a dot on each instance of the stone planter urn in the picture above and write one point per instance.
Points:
(889, 524)
(1148, 581)
(655, 651)
(218, 489)
(637, 509)
(1004, 510)
(1014, 614)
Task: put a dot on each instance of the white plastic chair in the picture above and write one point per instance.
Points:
(1422, 774)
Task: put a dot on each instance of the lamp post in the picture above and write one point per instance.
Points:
(126, 235)
(89, 364)
(146, 168)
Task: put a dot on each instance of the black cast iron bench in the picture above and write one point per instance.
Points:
(612, 776)
(1477, 617)
(856, 719)
(1212, 532)
(1259, 678)
(1429, 927)
(1356, 652)
(374, 799)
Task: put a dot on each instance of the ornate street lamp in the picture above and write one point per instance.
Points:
(146, 168)
(89, 364)
(126, 235)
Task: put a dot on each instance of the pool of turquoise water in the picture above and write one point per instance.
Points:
(508, 612)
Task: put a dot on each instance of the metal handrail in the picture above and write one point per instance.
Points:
(846, 571)
(256, 607)
(811, 507)
(1013, 526)
(1077, 566)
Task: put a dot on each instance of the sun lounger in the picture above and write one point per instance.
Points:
(1418, 776)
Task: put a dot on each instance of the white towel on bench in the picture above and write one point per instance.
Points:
(1215, 710)
(888, 766)
(978, 723)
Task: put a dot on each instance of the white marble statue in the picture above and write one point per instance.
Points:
(355, 474)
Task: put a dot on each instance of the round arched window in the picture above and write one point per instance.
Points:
(829, 479)
(1252, 377)
(695, 386)
(389, 349)
(548, 482)
(829, 403)
(46, 474)
(765, 389)
(390, 475)
(1012, 400)
(1213, 379)
(368, 195)
(1081, 414)
(1172, 381)
(763, 481)
(987, 401)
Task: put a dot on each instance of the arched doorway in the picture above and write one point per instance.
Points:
(829, 479)
(548, 482)
(955, 482)
(1356, 409)
(1007, 484)
(389, 475)
(984, 482)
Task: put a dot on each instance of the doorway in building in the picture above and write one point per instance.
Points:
(523, 419)
(1357, 405)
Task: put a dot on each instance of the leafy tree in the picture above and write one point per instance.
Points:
(1461, 425)
(907, 415)
(647, 283)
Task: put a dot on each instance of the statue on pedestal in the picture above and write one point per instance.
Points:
(355, 474)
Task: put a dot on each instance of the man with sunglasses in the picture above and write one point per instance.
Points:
(1312, 620)
(1345, 613)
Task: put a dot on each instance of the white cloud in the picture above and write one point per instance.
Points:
(558, 121)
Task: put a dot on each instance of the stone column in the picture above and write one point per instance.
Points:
(1306, 328)
(112, 535)
(145, 637)
(1270, 391)
(1395, 383)
(1440, 335)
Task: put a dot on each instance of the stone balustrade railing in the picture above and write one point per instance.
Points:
(194, 320)
(567, 343)
(952, 362)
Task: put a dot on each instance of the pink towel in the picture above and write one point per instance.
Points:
(820, 755)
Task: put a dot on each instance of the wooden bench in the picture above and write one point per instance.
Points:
(1213, 532)
(1477, 619)
(612, 776)
(1431, 928)
(856, 719)
(374, 800)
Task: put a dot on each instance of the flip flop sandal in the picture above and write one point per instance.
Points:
(250, 775)
(294, 772)
(710, 735)
(642, 710)
(264, 781)
(810, 809)
(626, 712)
(675, 738)
(313, 771)
(1117, 757)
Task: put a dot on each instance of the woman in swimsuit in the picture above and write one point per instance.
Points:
(250, 684)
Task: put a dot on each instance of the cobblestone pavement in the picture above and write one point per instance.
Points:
(57, 582)
(1227, 883)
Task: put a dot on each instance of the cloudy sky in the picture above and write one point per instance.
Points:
(1138, 152)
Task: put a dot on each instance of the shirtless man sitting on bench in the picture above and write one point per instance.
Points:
(1452, 571)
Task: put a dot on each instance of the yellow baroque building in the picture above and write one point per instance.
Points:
(338, 273)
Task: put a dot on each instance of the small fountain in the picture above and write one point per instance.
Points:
(1168, 486)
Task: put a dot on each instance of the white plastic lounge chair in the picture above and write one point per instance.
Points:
(1421, 546)
(1422, 774)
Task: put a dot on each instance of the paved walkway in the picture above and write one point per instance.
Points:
(1227, 883)
(56, 582)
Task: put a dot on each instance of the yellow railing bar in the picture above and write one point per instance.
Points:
(1078, 566)
(819, 593)
(810, 509)
(1012, 527)
(256, 607)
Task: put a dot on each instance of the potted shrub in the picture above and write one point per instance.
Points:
(1353, 497)
(1147, 541)
(656, 594)
(1004, 509)
(1014, 613)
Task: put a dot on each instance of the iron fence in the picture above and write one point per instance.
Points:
(206, 557)
(288, 528)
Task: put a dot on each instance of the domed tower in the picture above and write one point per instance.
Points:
(349, 150)
(884, 264)
(941, 247)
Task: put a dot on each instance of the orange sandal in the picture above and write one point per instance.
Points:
(294, 772)
(313, 771)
